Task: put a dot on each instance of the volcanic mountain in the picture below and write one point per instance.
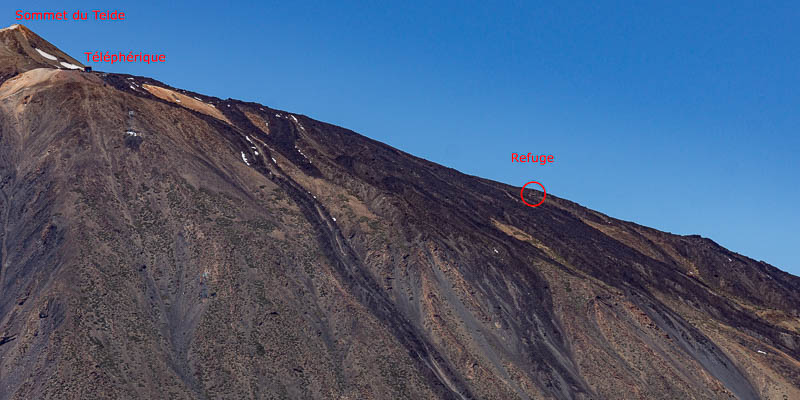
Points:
(159, 243)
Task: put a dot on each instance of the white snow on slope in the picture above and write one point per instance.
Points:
(244, 158)
(15, 26)
(46, 55)
(70, 66)
(299, 125)
(761, 352)
(273, 160)
(248, 139)
(304, 156)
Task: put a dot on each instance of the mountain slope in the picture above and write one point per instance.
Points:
(158, 243)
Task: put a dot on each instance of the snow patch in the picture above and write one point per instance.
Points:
(248, 139)
(495, 251)
(334, 219)
(299, 125)
(12, 27)
(197, 98)
(132, 87)
(70, 66)
(273, 160)
(255, 152)
(46, 55)
(131, 132)
(244, 158)
(304, 156)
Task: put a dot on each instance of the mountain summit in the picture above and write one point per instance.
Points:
(22, 50)
(159, 243)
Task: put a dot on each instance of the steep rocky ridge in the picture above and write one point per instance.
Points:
(22, 50)
(159, 243)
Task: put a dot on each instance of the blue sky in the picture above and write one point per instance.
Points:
(682, 116)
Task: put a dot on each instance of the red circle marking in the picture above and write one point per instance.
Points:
(522, 192)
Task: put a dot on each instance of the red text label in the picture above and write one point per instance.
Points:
(99, 15)
(532, 158)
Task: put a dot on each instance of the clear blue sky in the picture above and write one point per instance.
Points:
(684, 117)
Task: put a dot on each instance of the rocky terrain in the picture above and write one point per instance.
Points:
(159, 243)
